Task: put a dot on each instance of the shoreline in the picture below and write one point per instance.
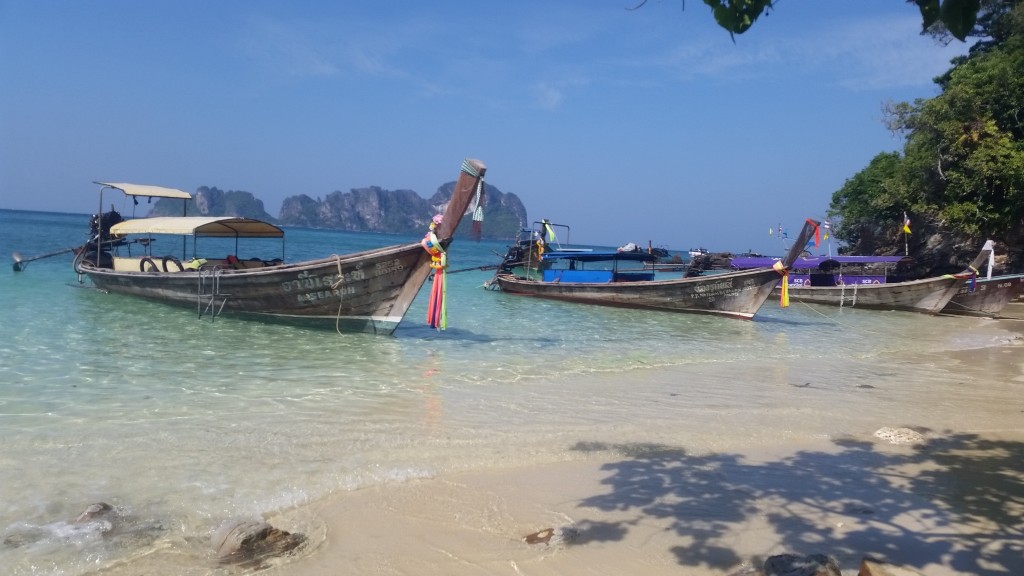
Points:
(950, 505)
(713, 485)
(663, 511)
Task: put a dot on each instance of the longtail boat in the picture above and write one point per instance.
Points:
(619, 279)
(857, 282)
(368, 291)
(987, 295)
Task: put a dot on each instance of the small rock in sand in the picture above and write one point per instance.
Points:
(899, 435)
(792, 565)
(243, 540)
(94, 511)
(553, 536)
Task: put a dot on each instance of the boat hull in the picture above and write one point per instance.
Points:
(987, 297)
(929, 295)
(734, 294)
(367, 291)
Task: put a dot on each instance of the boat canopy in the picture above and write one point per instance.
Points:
(217, 227)
(146, 190)
(598, 256)
(818, 262)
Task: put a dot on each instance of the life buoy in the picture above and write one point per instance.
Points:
(175, 261)
(152, 265)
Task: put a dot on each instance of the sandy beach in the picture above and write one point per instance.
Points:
(951, 504)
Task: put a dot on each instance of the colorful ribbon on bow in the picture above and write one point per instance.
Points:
(437, 307)
(784, 299)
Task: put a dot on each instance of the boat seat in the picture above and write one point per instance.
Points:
(637, 276)
(122, 264)
(823, 279)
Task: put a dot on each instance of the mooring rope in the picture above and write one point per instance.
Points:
(334, 286)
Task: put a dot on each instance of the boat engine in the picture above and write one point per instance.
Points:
(100, 225)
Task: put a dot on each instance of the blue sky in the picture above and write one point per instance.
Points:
(630, 126)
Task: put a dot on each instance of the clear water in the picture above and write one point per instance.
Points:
(181, 422)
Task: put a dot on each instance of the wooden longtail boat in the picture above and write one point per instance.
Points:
(839, 281)
(367, 291)
(988, 295)
(604, 278)
(985, 296)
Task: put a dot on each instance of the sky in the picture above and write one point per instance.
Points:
(647, 125)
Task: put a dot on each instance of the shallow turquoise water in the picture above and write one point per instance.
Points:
(181, 422)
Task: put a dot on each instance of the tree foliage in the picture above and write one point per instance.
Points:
(961, 171)
(962, 167)
(958, 17)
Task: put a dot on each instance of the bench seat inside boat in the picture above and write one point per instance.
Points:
(134, 263)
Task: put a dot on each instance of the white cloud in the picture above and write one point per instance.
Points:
(885, 53)
(548, 96)
(868, 53)
(284, 49)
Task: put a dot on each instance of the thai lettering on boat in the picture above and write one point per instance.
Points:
(307, 280)
(716, 287)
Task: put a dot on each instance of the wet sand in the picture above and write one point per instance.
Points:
(954, 507)
(951, 505)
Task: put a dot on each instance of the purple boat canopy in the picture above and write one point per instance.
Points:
(824, 263)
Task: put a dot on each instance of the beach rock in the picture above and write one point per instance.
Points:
(554, 536)
(94, 511)
(245, 540)
(95, 521)
(899, 435)
(793, 565)
(871, 567)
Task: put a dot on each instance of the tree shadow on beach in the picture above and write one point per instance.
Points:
(957, 501)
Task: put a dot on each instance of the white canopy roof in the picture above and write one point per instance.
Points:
(219, 226)
(146, 190)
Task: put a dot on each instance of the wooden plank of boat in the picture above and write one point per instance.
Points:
(985, 296)
(366, 291)
(737, 294)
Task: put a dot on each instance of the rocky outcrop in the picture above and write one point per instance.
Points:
(375, 209)
(371, 209)
(937, 250)
(208, 201)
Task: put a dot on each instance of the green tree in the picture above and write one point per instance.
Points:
(957, 17)
(868, 209)
(961, 172)
(964, 151)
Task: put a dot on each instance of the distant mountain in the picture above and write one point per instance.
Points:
(371, 209)
(374, 209)
(209, 201)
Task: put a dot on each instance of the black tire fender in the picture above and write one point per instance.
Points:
(175, 261)
(152, 265)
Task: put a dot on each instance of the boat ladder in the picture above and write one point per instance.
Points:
(209, 293)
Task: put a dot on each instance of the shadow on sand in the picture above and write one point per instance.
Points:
(956, 502)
